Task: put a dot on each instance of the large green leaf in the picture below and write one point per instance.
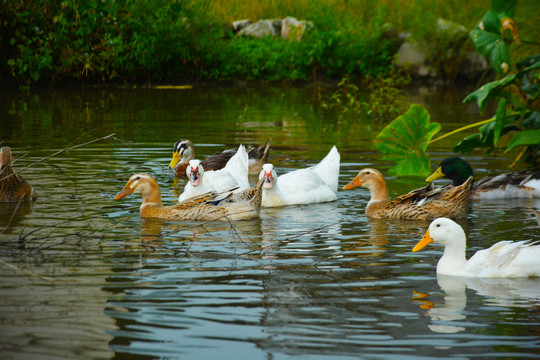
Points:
(488, 38)
(492, 46)
(490, 23)
(490, 90)
(483, 138)
(532, 120)
(469, 143)
(405, 141)
(531, 63)
(500, 120)
(525, 137)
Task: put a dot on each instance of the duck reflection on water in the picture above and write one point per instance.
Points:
(450, 316)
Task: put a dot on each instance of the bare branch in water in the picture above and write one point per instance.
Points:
(61, 151)
(24, 272)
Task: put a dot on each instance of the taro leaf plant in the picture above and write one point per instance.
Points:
(517, 117)
(405, 141)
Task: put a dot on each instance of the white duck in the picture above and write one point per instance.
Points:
(233, 176)
(315, 184)
(503, 259)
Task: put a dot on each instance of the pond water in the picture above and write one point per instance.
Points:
(83, 277)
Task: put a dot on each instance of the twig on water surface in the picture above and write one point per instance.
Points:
(287, 238)
(24, 272)
(23, 239)
(235, 232)
(340, 253)
(61, 151)
(125, 142)
(321, 227)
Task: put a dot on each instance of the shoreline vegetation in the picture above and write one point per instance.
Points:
(45, 43)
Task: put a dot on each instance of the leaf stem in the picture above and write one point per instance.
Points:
(463, 128)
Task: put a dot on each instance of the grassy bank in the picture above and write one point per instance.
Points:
(44, 42)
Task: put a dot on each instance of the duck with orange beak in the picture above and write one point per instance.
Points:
(420, 204)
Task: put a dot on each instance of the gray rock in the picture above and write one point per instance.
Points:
(240, 24)
(412, 57)
(292, 29)
(259, 29)
(450, 28)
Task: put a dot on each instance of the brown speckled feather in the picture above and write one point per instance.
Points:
(13, 188)
(424, 203)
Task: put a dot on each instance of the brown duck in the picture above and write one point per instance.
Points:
(13, 188)
(420, 204)
(184, 151)
(210, 206)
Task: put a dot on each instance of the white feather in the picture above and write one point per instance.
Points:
(233, 175)
(315, 184)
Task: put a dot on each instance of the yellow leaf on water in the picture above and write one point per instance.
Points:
(173, 87)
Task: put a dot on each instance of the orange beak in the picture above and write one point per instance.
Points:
(122, 194)
(355, 183)
(426, 240)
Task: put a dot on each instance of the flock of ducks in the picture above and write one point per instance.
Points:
(218, 189)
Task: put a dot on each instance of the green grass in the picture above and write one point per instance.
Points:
(144, 41)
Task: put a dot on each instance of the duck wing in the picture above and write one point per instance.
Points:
(429, 202)
(524, 183)
(218, 160)
(506, 259)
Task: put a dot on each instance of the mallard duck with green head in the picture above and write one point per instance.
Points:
(522, 184)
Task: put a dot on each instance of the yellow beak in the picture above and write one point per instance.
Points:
(175, 159)
(436, 175)
(122, 194)
(354, 183)
(426, 240)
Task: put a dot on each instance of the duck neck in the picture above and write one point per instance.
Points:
(459, 171)
(187, 156)
(453, 260)
(151, 195)
(273, 196)
(378, 190)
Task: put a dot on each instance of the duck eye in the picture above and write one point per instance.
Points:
(137, 178)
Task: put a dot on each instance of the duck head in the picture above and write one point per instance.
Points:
(269, 175)
(454, 168)
(442, 231)
(373, 180)
(5, 157)
(143, 184)
(195, 172)
(183, 151)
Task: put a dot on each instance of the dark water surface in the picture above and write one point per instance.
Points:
(83, 277)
